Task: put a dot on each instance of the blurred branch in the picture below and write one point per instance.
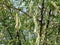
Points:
(48, 21)
(16, 9)
(41, 22)
(18, 36)
(53, 3)
(7, 27)
(9, 7)
(10, 34)
(17, 29)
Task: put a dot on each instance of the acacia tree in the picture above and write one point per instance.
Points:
(29, 22)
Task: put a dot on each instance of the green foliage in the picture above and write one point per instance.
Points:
(20, 24)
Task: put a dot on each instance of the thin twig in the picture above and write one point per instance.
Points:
(10, 34)
(5, 25)
(48, 21)
(16, 9)
(18, 36)
(12, 7)
(42, 13)
(11, 37)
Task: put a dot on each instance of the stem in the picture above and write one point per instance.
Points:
(8, 6)
(18, 36)
(42, 13)
(48, 21)
(7, 27)
(10, 34)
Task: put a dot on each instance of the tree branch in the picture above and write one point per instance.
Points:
(12, 7)
(48, 21)
(42, 13)
(8, 6)
(18, 36)
(10, 34)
